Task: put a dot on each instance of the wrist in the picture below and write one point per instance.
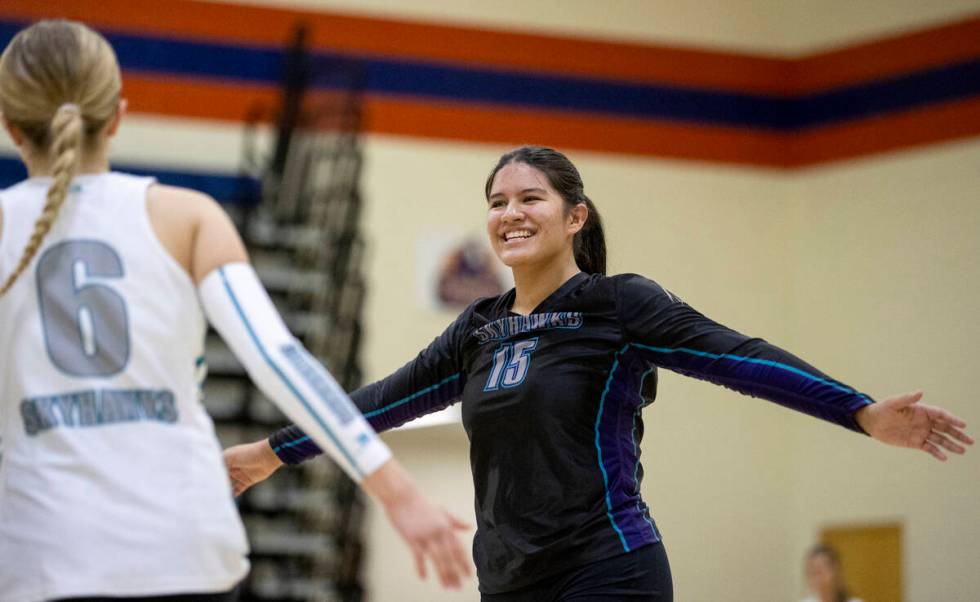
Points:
(267, 454)
(864, 418)
(389, 484)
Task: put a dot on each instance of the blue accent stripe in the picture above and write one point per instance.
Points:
(751, 360)
(470, 83)
(405, 400)
(224, 187)
(302, 439)
(598, 449)
(636, 451)
(282, 376)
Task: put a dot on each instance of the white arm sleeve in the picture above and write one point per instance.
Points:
(239, 308)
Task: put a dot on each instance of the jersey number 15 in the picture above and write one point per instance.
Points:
(510, 364)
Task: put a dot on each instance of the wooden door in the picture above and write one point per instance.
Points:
(871, 558)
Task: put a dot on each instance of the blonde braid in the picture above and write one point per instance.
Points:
(66, 150)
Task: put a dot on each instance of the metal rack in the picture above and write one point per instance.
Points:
(303, 236)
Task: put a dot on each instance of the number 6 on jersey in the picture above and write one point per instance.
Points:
(510, 364)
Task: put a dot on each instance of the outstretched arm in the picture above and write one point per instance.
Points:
(671, 334)
(429, 383)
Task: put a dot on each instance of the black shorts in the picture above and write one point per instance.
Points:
(229, 596)
(642, 575)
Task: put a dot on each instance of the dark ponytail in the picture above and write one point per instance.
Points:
(590, 242)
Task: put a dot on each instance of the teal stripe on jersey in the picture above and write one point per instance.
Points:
(598, 449)
(404, 400)
(752, 360)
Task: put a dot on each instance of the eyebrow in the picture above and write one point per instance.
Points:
(525, 191)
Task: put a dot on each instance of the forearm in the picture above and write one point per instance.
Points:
(669, 333)
(429, 383)
(238, 307)
(756, 368)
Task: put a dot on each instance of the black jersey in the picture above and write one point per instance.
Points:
(552, 407)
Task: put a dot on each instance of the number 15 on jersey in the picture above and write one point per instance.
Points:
(510, 364)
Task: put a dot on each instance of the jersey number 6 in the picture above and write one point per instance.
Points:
(510, 364)
(86, 330)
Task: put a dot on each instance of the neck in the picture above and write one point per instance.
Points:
(533, 284)
(38, 165)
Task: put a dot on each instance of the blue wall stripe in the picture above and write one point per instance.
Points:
(478, 84)
(226, 188)
(275, 368)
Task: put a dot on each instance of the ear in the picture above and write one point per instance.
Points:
(113, 126)
(577, 216)
(15, 134)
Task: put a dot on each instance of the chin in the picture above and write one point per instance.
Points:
(514, 260)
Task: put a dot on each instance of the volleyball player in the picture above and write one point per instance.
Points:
(553, 376)
(111, 481)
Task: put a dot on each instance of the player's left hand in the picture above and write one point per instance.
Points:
(903, 421)
(250, 463)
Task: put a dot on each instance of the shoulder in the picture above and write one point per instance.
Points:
(176, 198)
(636, 285)
(175, 206)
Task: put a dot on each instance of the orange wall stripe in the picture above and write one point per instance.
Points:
(467, 122)
(408, 117)
(201, 99)
(448, 121)
(892, 56)
(949, 121)
(475, 123)
(556, 54)
(410, 39)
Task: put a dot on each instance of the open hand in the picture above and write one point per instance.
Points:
(903, 421)
(431, 532)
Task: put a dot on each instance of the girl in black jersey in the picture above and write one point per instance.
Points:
(553, 376)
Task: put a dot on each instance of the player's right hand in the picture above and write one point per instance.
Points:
(431, 532)
(250, 463)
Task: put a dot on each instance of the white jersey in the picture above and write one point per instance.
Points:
(111, 478)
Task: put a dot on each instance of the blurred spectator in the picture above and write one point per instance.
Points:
(824, 578)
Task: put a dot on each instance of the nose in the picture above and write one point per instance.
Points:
(512, 213)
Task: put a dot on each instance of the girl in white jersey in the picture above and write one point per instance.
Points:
(111, 480)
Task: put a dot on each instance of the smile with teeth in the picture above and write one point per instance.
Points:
(517, 235)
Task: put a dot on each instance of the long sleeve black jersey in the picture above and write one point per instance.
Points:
(552, 407)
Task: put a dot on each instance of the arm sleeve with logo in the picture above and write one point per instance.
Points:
(240, 310)
(672, 335)
(431, 382)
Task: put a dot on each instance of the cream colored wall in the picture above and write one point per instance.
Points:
(887, 295)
